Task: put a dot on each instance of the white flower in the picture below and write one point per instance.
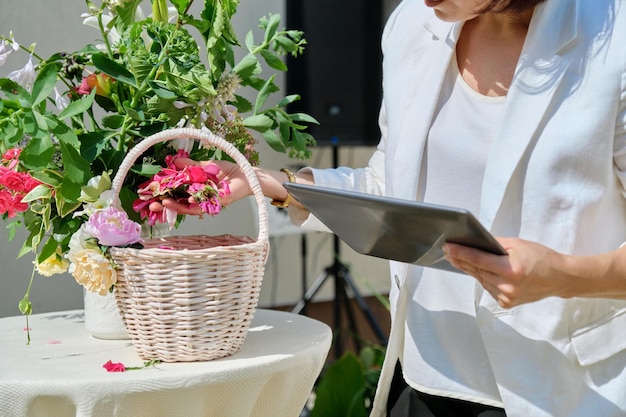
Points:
(112, 35)
(60, 101)
(4, 55)
(24, 76)
(81, 240)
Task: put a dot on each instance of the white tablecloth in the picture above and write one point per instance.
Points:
(60, 373)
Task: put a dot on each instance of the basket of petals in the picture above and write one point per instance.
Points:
(190, 298)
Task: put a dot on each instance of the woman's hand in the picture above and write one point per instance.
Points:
(529, 273)
(231, 172)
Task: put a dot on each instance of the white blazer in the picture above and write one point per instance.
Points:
(556, 174)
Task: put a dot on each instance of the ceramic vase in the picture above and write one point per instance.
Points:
(103, 318)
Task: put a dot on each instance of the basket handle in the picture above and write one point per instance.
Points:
(207, 138)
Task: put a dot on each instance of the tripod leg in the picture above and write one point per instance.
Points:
(347, 278)
(343, 290)
(310, 293)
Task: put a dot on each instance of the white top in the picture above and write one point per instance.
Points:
(555, 175)
(451, 174)
(60, 374)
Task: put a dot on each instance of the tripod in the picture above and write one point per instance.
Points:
(343, 282)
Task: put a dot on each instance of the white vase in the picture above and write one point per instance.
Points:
(103, 318)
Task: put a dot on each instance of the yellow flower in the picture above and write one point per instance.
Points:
(93, 270)
(54, 264)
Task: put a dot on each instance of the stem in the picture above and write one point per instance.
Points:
(26, 299)
(105, 38)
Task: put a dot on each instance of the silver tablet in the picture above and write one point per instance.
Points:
(391, 228)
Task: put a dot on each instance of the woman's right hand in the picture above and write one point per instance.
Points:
(229, 172)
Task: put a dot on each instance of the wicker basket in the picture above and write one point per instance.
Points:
(193, 300)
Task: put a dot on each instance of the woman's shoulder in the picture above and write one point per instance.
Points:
(408, 20)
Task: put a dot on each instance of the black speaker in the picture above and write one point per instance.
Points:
(339, 75)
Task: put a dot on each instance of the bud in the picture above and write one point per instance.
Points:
(159, 11)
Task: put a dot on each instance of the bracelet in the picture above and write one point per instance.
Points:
(285, 203)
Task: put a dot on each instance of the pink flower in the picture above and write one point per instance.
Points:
(101, 82)
(197, 186)
(143, 208)
(13, 180)
(169, 159)
(114, 367)
(17, 205)
(196, 174)
(8, 204)
(112, 227)
(11, 157)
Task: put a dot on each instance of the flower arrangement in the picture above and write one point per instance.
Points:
(67, 121)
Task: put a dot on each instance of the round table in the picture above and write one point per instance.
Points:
(61, 372)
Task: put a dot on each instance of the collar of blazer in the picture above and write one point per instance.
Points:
(538, 75)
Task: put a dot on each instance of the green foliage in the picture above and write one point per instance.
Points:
(82, 111)
(348, 385)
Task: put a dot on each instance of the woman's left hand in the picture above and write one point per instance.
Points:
(529, 272)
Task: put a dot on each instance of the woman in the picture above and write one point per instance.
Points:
(516, 111)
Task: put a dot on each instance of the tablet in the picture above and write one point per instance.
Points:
(395, 229)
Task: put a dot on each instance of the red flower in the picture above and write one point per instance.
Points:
(114, 367)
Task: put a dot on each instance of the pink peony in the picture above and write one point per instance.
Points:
(112, 227)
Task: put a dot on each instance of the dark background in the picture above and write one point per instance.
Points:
(339, 75)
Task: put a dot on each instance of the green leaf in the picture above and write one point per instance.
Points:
(30, 123)
(274, 141)
(303, 117)
(44, 83)
(39, 119)
(259, 122)
(161, 90)
(48, 250)
(286, 44)
(249, 41)
(12, 134)
(272, 27)
(243, 104)
(77, 173)
(78, 106)
(247, 67)
(39, 192)
(340, 392)
(288, 100)
(38, 153)
(92, 144)
(63, 132)
(264, 93)
(114, 121)
(181, 5)
(49, 177)
(15, 91)
(127, 10)
(65, 207)
(113, 69)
